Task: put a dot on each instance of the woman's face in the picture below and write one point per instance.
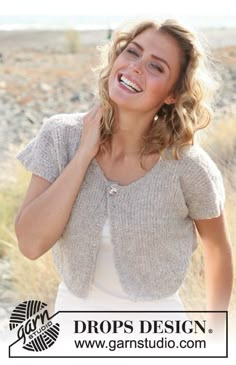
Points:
(144, 73)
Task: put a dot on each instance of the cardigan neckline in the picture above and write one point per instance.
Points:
(140, 180)
(135, 182)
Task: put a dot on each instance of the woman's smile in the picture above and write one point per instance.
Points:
(128, 84)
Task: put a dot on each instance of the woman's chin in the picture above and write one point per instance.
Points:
(119, 100)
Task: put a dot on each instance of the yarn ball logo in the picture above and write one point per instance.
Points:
(34, 325)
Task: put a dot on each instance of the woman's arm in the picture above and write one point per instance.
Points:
(47, 208)
(218, 265)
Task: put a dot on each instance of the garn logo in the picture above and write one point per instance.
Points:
(34, 326)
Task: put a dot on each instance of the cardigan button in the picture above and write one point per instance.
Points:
(113, 190)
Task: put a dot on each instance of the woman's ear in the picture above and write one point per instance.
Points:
(170, 100)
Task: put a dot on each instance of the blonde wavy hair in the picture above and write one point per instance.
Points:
(194, 90)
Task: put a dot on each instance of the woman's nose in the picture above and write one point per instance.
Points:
(136, 66)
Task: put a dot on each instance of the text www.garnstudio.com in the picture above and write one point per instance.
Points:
(163, 342)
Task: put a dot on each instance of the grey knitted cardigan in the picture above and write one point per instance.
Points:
(152, 228)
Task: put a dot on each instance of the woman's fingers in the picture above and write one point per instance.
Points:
(90, 137)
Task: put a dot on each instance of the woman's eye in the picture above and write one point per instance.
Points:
(132, 52)
(156, 67)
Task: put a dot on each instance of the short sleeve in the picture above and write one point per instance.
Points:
(40, 155)
(202, 185)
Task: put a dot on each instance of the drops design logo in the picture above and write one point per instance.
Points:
(34, 326)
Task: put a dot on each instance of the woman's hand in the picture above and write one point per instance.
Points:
(90, 138)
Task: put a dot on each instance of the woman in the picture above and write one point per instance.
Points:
(119, 192)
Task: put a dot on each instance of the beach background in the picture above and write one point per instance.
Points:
(46, 69)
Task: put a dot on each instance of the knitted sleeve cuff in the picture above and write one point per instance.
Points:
(203, 187)
(39, 155)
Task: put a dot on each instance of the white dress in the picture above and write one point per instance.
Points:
(106, 292)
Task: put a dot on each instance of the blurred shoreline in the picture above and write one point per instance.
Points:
(39, 39)
(46, 39)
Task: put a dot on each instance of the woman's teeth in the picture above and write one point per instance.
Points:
(129, 84)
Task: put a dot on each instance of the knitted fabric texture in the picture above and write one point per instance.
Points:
(152, 219)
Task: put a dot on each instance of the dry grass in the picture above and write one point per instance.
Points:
(31, 279)
(34, 279)
(73, 40)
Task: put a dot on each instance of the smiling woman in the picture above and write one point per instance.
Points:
(174, 82)
(121, 235)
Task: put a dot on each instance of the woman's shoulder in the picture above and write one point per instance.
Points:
(194, 159)
(201, 182)
(63, 122)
